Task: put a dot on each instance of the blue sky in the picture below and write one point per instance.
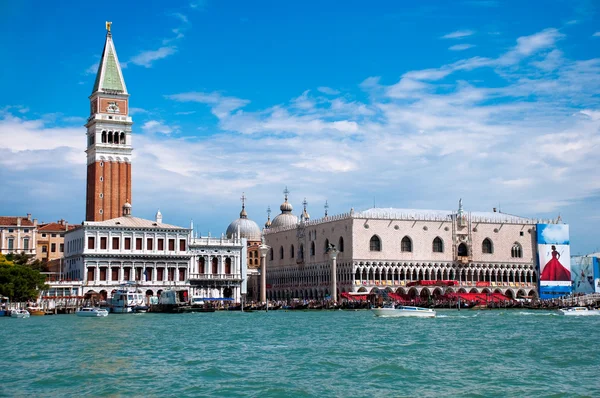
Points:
(397, 104)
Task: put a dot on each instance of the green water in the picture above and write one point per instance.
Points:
(281, 354)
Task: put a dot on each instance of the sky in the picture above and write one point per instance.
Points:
(360, 104)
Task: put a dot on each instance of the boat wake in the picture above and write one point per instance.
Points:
(526, 313)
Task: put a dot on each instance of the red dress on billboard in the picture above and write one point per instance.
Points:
(554, 270)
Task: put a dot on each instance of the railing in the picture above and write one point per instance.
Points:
(215, 277)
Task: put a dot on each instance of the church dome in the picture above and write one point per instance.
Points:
(248, 228)
(286, 218)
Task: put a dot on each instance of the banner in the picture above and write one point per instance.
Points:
(596, 263)
(554, 260)
(582, 274)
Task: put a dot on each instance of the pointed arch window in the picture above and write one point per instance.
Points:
(292, 252)
(122, 138)
(301, 252)
(487, 247)
(375, 244)
(110, 137)
(406, 244)
(271, 254)
(326, 245)
(215, 265)
(312, 248)
(341, 244)
(104, 139)
(281, 253)
(462, 250)
(516, 251)
(438, 245)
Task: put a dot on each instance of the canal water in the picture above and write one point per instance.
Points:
(302, 354)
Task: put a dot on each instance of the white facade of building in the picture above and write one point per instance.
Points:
(485, 252)
(103, 255)
(218, 267)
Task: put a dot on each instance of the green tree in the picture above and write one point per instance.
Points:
(20, 282)
(27, 260)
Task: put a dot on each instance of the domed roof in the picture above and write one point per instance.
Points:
(248, 229)
(286, 218)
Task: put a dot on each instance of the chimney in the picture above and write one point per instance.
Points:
(66, 225)
(29, 216)
(35, 222)
(18, 221)
(494, 209)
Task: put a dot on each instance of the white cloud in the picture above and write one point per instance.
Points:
(461, 47)
(556, 233)
(154, 126)
(459, 34)
(221, 105)
(328, 90)
(137, 111)
(597, 34)
(181, 16)
(93, 69)
(529, 45)
(146, 58)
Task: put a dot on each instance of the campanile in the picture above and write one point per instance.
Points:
(108, 140)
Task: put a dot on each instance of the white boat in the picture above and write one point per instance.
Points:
(126, 299)
(578, 311)
(20, 314)
(404, 311)
(92, 312)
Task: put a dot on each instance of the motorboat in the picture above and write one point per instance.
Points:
(37, 311)
(19, 314)
(401, 310)
(578, 311)
(126, 299)
(92, 312)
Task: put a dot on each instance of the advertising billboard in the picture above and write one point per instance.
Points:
(554, 260)
(596, 264)
(582, 274)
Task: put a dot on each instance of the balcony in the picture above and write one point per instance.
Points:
(215, 277)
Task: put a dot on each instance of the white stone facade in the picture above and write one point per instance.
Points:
(104, 255)
(505, 263)
(218, 267)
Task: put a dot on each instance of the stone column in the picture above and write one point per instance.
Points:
(333, 256)
(263, 249)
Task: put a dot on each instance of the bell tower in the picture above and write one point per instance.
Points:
(108, 140)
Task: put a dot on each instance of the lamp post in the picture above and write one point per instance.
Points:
(333, 252)
(263, 249)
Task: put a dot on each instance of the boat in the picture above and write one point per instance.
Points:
(174, 302)
(578, 311)
(126, 299)
(92, 312)
(401, 310)
(19, 314)
(37, 311)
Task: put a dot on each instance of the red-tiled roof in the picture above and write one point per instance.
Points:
(55, 227)
(12, 221)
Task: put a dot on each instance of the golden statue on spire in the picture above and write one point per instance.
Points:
(108, 26)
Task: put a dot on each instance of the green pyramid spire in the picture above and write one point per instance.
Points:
(109, 77)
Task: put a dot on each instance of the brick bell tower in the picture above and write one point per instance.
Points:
(108, 140)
